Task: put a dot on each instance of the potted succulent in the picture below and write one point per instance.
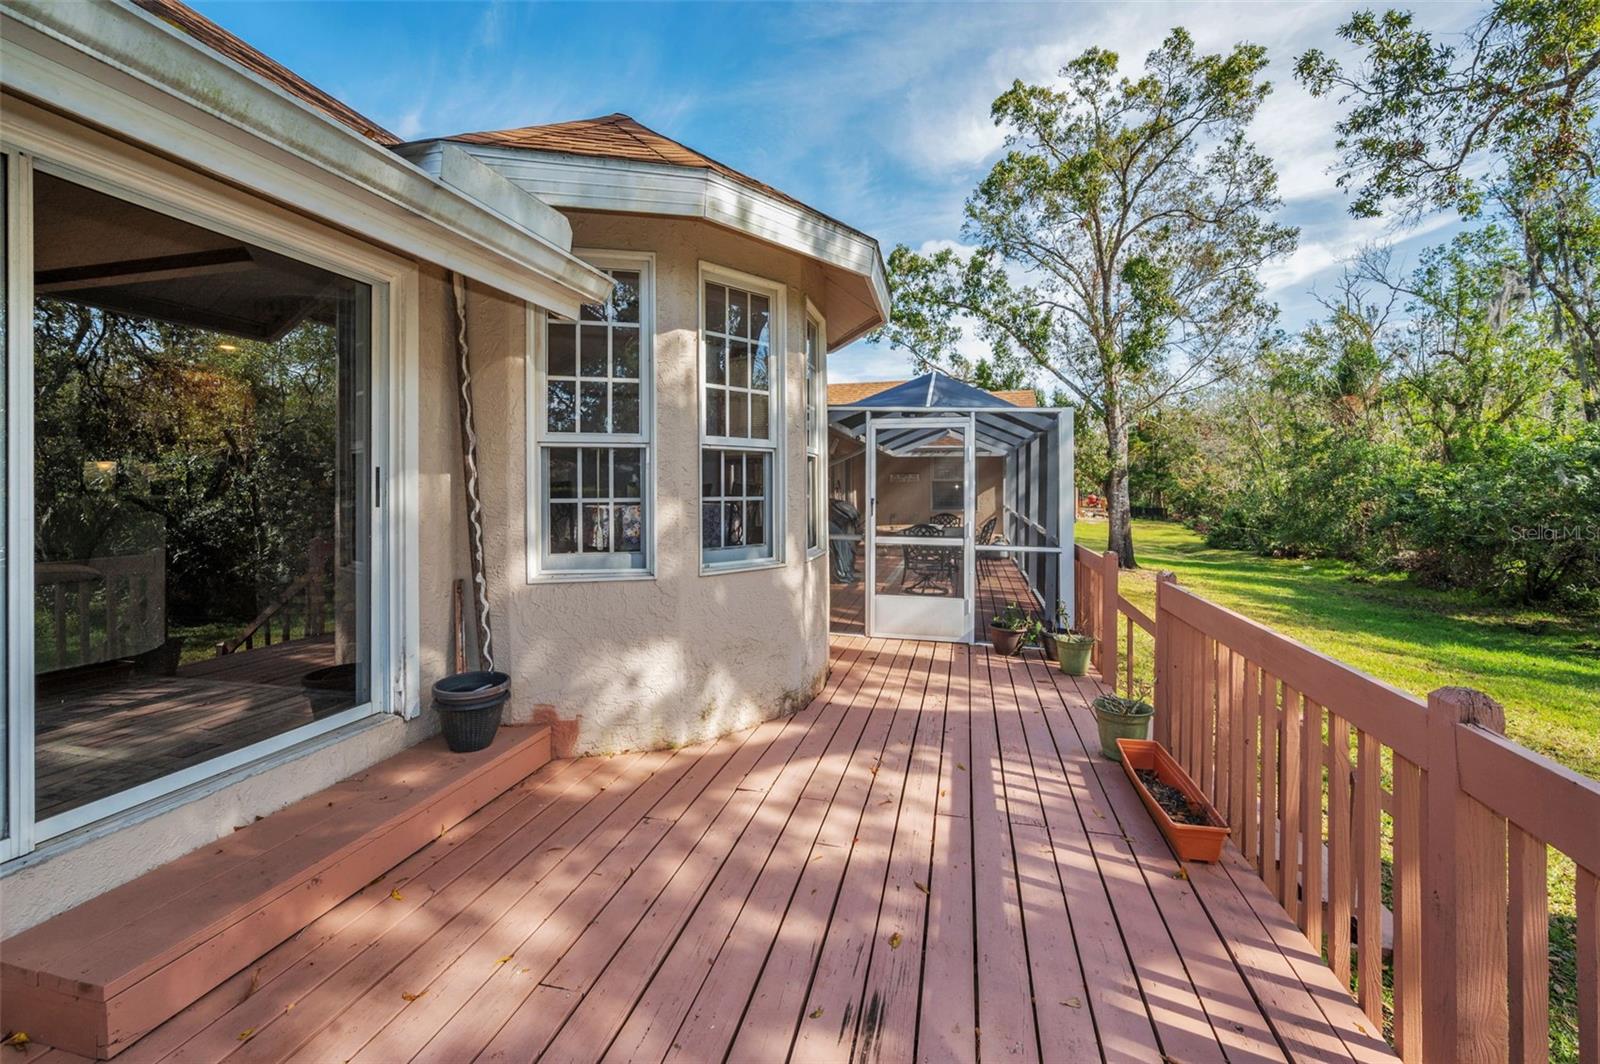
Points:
(1072, 651)
(1191, 824)
(1121, 718)
(1011, 629)
(469, 705)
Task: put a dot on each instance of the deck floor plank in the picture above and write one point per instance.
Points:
(719, 1002)
(930, 860)
(776, 1004)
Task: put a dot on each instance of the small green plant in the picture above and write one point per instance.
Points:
(1013, 619)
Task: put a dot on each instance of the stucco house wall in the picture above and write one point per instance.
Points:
(684, 656)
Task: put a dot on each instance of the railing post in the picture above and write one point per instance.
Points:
(1165, 666)
(1108, 617)
(1464, 896)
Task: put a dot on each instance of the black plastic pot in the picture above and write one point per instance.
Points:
(469, 705)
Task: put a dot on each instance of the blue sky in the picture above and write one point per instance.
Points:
(877, 114)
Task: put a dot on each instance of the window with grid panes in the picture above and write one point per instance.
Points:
(594, 432)
(741, 370)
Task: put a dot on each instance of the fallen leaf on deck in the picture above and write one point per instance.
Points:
(255, 983)
(395, 894)
(894, 940)
(503, 960)
(816, 1014)
(920, 886)
(1073, 1003)
(1182, 873)
(18, 1040)
(408, 996)
(247, 1034)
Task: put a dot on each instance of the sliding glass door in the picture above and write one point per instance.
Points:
(202, 501)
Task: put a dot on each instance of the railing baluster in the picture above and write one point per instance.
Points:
(1289, 845)
(1339, 874)
(1588, 891)
(1407, 893)
(1311, 791)
(1129, 666)
(1369, 872)
(1267, 864)
(1528, 947)
(1223, 759)
(1251, 707)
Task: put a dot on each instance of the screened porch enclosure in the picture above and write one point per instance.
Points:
(947, 504)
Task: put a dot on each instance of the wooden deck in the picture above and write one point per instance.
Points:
(102, 733)
(926, 863)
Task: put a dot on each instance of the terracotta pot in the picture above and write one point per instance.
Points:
(1006, 642)
(1191, 842)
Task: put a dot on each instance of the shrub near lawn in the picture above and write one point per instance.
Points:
(1522, 524)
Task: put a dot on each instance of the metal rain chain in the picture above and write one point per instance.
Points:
(469, 458)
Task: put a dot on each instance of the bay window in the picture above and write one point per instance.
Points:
(741, 396)
(592, 430)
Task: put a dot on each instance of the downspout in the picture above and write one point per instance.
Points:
(469, 460)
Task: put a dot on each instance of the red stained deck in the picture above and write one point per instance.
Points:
(926, 863)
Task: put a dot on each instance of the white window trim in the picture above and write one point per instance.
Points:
(817, 437)
(61, 147)
(777, 424)
(538, 571)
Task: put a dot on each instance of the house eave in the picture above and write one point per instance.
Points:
(857, 279)
(119, 68)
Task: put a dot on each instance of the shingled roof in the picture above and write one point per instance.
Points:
(620, 136)
(849, 393)
(186, 19)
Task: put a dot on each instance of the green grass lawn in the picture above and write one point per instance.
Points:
(1544, 667)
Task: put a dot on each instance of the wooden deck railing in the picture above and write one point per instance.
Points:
(308, 590)
(1326, 775)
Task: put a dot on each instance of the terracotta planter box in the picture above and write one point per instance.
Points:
(1191, 842)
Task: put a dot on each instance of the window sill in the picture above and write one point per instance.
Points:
(813, 553)
(582, 576)
(717, 569)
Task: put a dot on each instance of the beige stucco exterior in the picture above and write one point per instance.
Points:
(674, 659)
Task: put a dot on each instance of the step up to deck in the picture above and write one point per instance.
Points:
(95, 978)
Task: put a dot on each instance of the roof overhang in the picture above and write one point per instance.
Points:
(857, 295)
(123, 70)
(998, 430)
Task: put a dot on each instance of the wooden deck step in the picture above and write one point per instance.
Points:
(95, 978)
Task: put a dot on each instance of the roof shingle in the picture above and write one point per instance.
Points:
(619, 136)
(186, 19)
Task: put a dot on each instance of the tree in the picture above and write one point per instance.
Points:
(1117, 242)
(1507, 120)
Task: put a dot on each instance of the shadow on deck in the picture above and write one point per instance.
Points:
(927, 862)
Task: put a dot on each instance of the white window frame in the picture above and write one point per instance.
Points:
(772, 553)
(56, 145)
(542, 567)
(816, 413)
